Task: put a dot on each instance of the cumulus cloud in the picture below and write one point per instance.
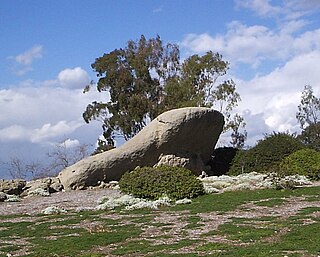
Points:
(254, 44)
(40, 114)
(38, 135)
(73, 78)
(70, 143)
(49, 130)
(289, 51)
(274, 98)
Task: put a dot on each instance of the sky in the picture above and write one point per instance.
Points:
(47, 48)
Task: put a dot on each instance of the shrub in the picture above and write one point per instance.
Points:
(303, 162)
(266, 155)
(153, 183)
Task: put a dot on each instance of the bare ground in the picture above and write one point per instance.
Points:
(71, 200)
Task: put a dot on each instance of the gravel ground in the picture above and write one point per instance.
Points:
(70, 200)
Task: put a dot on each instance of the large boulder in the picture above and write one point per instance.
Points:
(191, 131)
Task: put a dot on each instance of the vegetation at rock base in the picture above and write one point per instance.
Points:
(153, 183)
(304, 162)
(147, 77)
(266, 155)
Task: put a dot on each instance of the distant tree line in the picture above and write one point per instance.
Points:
(59, 158)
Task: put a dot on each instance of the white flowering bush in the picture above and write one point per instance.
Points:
(53, 210)
(147, 204)
(131, 203)
(13, 198)
(111, 203)
(39, 192)
(251, 181)
(289, 182)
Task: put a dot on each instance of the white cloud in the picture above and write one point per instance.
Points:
(30, 55)
(42, 112)
(70, 143)
(254, 44)
(38, 135)
(13, 133)
(285, 9)
(48, 131)
(261, 7)
(25, 60)
(274, 98)
(73, 78)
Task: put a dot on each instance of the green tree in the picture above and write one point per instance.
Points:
(308, 116)
(310, 136)
(147, 78)
(309, 108)
(266, 154)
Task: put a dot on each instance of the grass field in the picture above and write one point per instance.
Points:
(243, 223)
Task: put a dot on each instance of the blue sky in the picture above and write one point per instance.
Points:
(47, 48)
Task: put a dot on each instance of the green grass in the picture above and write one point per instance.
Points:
(271, 202)
(131, 233)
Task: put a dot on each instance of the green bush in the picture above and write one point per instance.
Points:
(303, 162)
(266, 155)
(153, 183)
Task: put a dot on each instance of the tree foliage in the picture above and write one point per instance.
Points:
(309, 108)
(266, 154)
(147, 78)
(308, 116)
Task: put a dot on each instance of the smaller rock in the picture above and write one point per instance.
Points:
(185, 160)
(3, 197)
(184, 201)
(55, 186)
(53, 210)
(12, 187)
(50, 185)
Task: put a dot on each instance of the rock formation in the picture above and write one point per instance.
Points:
(12, 187)
(191, 131)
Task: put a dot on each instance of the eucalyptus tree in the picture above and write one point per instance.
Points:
(148, 77)
(308, 116)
